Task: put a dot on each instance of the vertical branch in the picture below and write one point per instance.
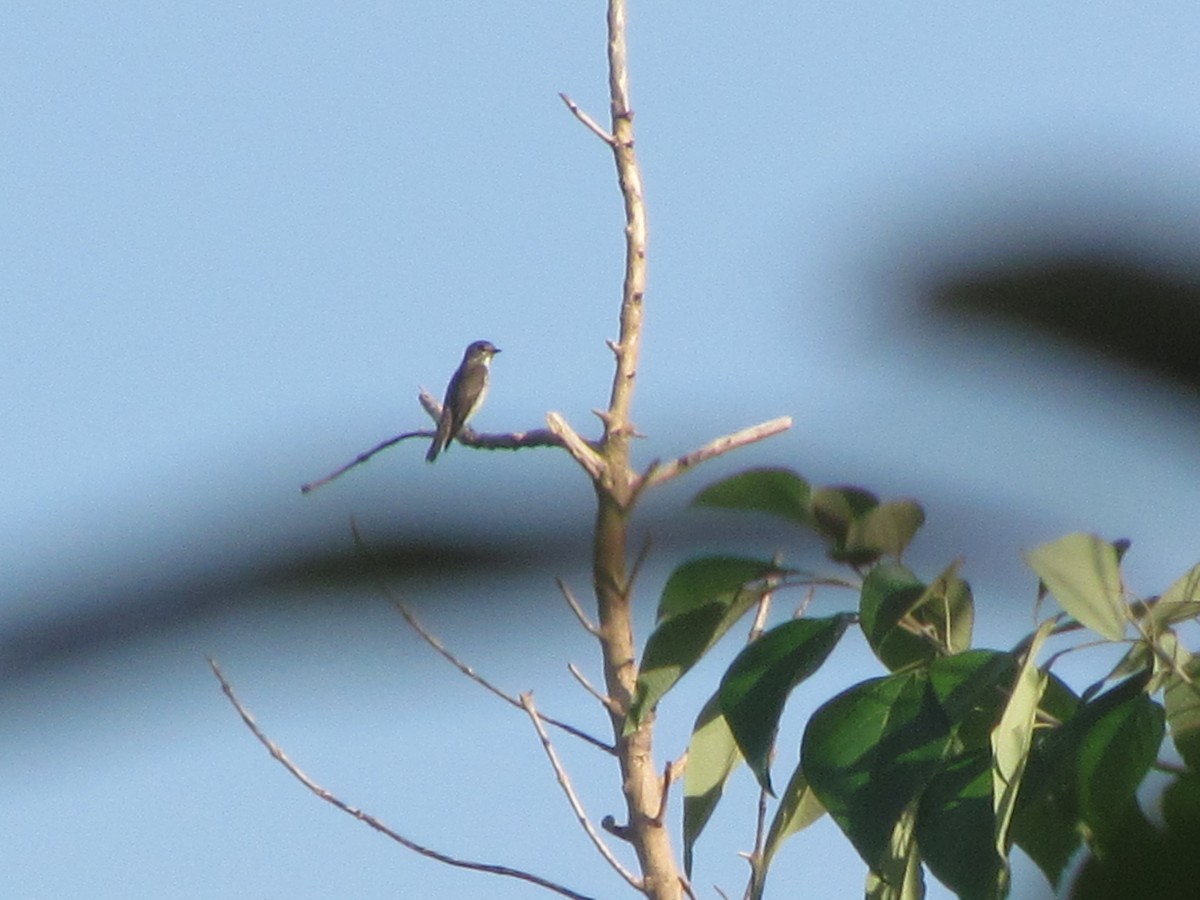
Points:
(640, 782)
(617, 423)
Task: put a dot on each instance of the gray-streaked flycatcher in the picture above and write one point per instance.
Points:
(464, 395)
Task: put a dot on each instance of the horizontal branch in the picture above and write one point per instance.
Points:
(281, 757)
(658, 473)
(516, 440)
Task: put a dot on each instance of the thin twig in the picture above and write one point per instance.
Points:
(362, 458)
(433, 641)
(565, 783)
(606, 702)
(281, 757)
(721, 445)
(671, 773)
(636, 569)
(592, 125)
(572, 602)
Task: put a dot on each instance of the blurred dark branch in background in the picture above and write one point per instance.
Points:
(1121, 309)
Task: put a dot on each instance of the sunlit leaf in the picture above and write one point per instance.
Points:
(1182, 700)
(757, 684)
(798, 808)
(1180, 602)
(777, 492)
(898, 875)
(712, 756)
(1082, 572)
(1012, 740)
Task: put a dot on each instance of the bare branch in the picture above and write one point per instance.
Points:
(362, 458)
(572, 602)
(565, 783)
(606, 702)
(437, 645)
(587, 120)
(583, 452)
(433, 641)
(513, 440)
(667, 471)
(278, 754)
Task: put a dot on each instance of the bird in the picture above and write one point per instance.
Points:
(464, 395)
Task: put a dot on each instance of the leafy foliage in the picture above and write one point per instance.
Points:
(955, 753)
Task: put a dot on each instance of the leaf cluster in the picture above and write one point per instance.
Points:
(953, 753)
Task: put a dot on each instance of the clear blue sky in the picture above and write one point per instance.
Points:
(236, 237)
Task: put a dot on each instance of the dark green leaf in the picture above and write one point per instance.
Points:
(956, 828)
(1114, 756)
(1050, 813)
(973, 688)
(710, 579)
(869, 752)
(756, 686)
(777, 492)
(889, 593)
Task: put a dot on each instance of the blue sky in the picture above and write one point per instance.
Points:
(237, 237)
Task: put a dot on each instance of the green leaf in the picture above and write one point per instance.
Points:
(1182, 699)
(701, 601)
(973, 688)
(1052, 814)
(712, 755)
(1012, 740)
(1083, 574)
(1114, 756)
(908, 623)
(956, 828)
(948, 608)
(883, 530)
(757, 684)
(870, 751)
(711, 579)
(898, 875)
(889, 593)
(798, 808)
(834, 510)
(1180, 602)
(777, 492)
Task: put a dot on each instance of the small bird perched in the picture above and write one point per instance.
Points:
(464, 395)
